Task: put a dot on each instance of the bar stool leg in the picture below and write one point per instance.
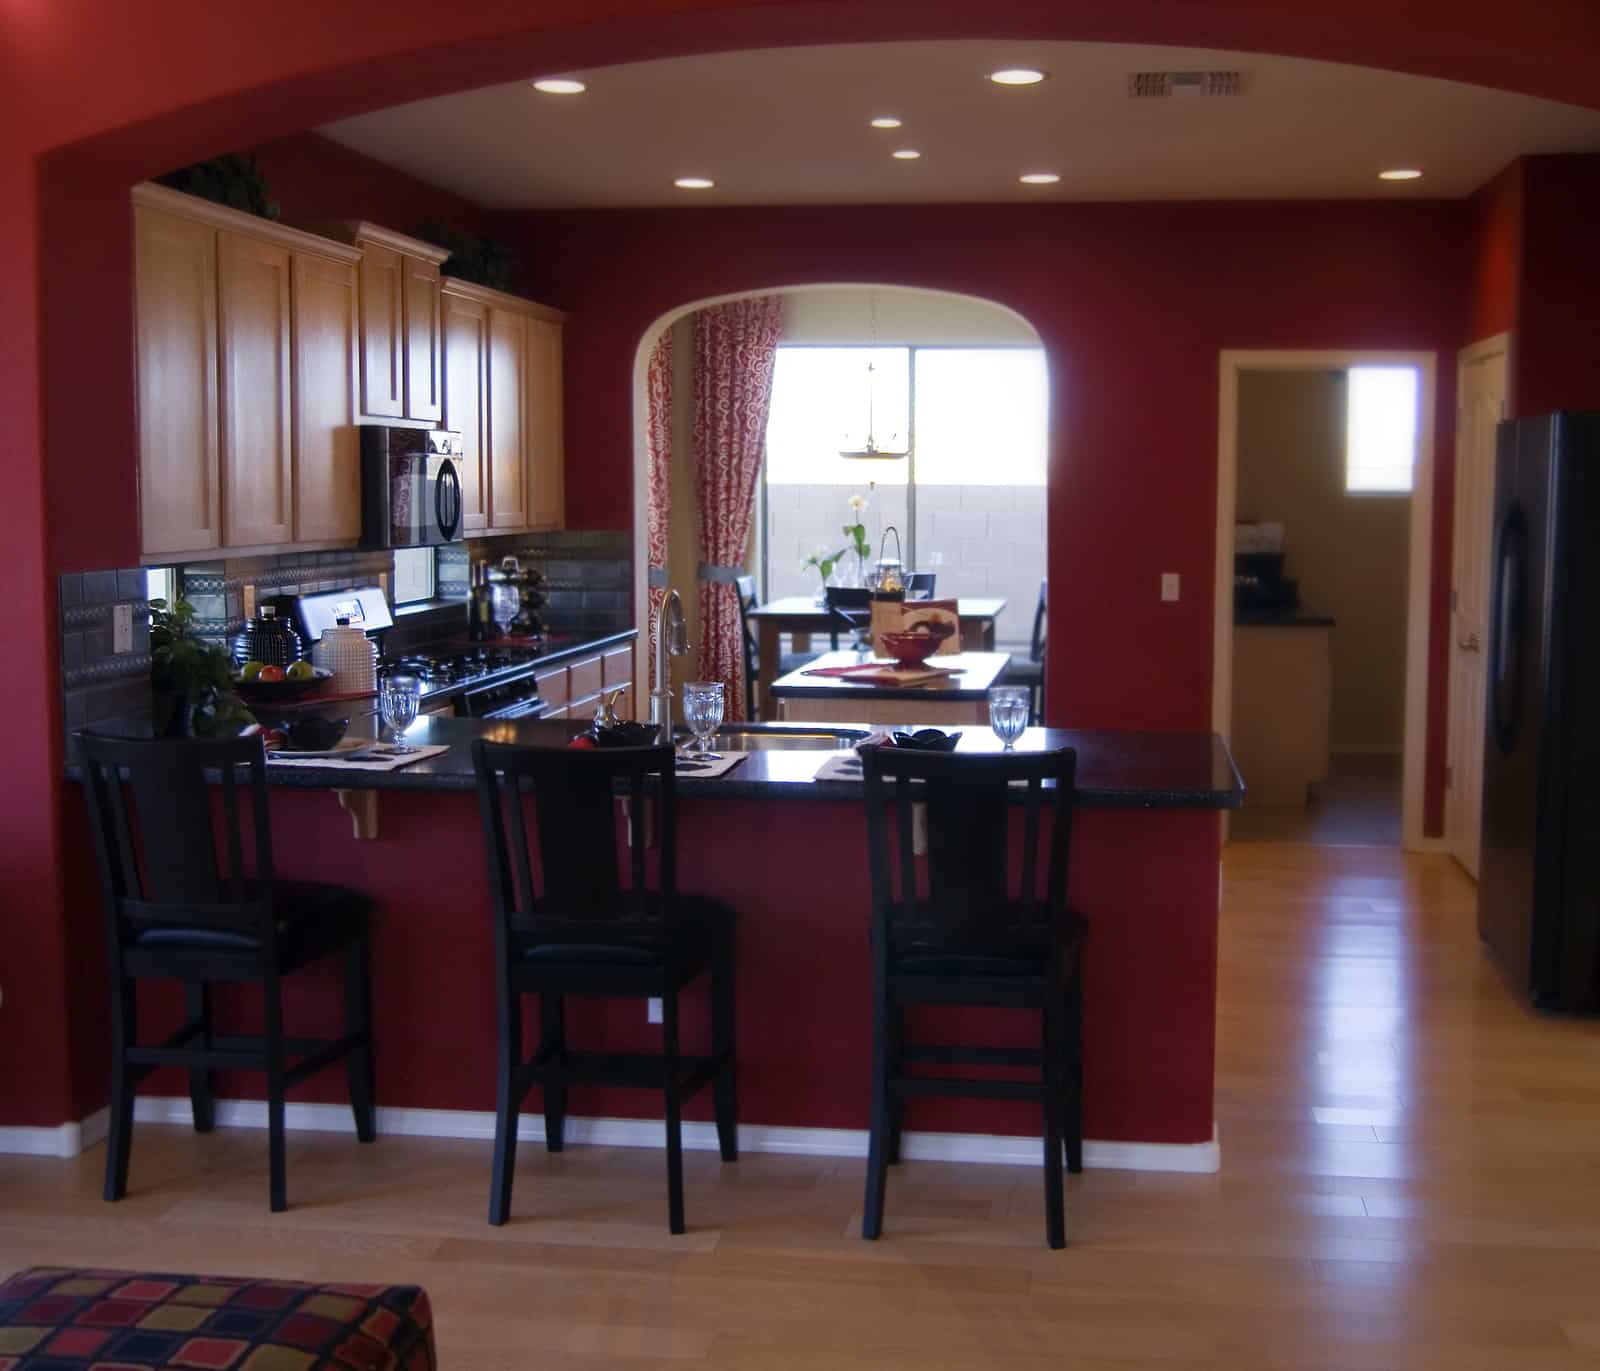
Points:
(358, 1023)
(119, 1135)
(507, 1101)
(722, 1048)
(276, 1183)
(1054, 1054)
(674, 1108)
(553, 1052)
(1074, 1072)
(878, 1136)
(897, 1104)
(197, 1006)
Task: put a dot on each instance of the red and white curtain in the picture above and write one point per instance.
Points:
(736, 346)
(658, 450)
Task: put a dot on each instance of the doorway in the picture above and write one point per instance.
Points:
(1481, 404)
(1292, 666)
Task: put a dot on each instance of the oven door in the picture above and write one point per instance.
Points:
(509, 700)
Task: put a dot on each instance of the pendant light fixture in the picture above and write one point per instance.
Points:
(871, 452)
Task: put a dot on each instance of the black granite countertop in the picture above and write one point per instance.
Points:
(1125, 770)
(1281, 618)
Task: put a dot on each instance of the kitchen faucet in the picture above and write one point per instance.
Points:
(672, 638)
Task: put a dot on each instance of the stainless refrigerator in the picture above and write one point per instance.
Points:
(1539, 875)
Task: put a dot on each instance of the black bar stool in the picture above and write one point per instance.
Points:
(176, 911)
(948, 930)
(580, 931)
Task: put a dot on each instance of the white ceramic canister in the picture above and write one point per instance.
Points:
(350, 655)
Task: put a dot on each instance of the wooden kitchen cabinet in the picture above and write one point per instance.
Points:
(247, 358)
(508, 369)
(383, 370)
(324, 395)
(401, 355)
(573, 691)
(256, 448)
(422, 342)
(180, 507)
(465, 331)
(546, 470)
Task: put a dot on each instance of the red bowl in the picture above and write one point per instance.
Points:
(910, 649)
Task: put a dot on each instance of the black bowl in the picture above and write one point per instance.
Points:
(313, 734)
(927, 740)
(626, 734)
(285, 689)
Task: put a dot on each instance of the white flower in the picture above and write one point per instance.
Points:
(857, 504)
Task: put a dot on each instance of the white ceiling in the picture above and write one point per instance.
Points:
(789, 126)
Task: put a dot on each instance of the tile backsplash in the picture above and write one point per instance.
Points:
(216, 589)
(587, 574)
(100, 685)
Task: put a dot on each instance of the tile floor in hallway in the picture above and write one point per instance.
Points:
(1411, 1179)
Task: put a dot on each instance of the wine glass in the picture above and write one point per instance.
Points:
(702, 711)
(397, 703)
(1009, 707)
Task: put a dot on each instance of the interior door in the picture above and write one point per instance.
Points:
(1481, 405)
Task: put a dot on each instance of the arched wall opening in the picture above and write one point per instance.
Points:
(821, 314)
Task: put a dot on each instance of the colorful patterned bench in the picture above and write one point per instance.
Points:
(54, 1319)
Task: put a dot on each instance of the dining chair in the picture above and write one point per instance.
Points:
(849, 608)
(191, 895)
(566, 923)
(1030, 673)
(968, 925)
(920, 584)
(787, 661)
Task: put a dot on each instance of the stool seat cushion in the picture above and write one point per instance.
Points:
(311, 918)
(76, 1320)
(699, 924)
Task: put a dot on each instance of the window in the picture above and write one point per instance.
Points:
(1380, 430)
(413, 575)
(968, 503)
(161, 583)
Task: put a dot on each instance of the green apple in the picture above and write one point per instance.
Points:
(300, 671)
(250, 670)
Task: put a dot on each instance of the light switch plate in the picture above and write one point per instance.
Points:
(122, 628)
(1169, 585)
(652, 1009)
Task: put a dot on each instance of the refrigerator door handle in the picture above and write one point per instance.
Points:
(1509, 610)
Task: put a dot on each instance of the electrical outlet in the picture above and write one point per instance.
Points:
(652, 1009)
(122, 628)
(1169, 585)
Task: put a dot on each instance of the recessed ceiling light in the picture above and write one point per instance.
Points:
(694, 183)
(907, 154)
(886, 121)
(1016, 76)
(1400, 174)
(559, 85)
(1039, 178)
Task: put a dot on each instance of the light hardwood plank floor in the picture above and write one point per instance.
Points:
(1411, 1179)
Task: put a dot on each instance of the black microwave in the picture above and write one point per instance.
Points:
(410, 486)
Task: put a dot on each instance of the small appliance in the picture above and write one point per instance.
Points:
(410, 487)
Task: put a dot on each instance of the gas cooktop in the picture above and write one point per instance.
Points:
(448, 669)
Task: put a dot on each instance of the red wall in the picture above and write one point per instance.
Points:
(1497, 235)
(1133, 304)
(1557, 354)
(154, 87)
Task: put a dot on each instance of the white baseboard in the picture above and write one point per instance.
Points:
(64, 1140)
(991, 1148)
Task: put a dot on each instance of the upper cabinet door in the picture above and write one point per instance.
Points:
(383, 351)
(253, 356)
(327, 449)
(176, 266)
(508, 346)
(423, 378)
(466, 383)
(546, 462)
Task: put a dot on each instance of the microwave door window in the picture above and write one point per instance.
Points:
(406, 501)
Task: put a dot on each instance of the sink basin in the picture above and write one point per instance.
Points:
(759, 738)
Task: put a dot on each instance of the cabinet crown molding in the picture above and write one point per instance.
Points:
(148, 195)
(499, 299)
(360, 231)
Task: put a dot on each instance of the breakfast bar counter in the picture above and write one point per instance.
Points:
(789, 854)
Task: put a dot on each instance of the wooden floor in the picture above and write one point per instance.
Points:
(1358, 805)
(1411, 1178)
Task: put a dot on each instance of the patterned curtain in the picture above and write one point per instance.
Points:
(735, 347)
(658, 448)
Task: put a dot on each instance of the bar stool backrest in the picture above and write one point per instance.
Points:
(959, 898)
(164, 855)
(573, 889)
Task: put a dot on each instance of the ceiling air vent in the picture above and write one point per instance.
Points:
(1151, 85)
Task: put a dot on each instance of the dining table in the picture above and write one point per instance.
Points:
(800, 616)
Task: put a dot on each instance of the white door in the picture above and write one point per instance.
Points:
(1481, 404)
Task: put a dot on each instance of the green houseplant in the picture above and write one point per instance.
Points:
(192, 678)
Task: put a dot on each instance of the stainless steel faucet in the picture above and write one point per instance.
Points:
(672, 639)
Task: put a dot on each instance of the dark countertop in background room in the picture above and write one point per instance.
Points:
(978, 671)
(1281, 618)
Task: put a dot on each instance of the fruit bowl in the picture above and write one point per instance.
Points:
(910, 649)
(253, 688)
